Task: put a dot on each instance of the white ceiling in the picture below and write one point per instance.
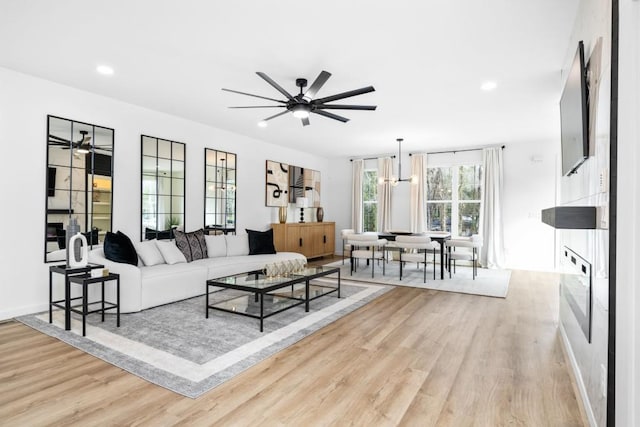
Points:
(426, 59)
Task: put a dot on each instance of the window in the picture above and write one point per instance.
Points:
(453, 199)
(370, 200)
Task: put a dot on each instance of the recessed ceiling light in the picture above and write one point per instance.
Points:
(489, 85)
(262, 124)
(105, 70)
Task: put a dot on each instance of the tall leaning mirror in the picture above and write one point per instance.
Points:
(163, 187)
(220, 192)
(79, 182)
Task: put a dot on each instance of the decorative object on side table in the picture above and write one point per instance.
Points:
(302, 202)
(282, 214)
(320, 214)
(79, 244)
(72, 229)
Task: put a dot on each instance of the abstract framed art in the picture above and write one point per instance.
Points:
(277, 184)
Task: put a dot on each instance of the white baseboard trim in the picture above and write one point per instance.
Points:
(568, 351)
(21, 311)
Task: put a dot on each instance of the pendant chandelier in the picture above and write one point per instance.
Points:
(394, 180)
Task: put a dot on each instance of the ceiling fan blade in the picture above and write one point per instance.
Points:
(274, 84)
(346, 107)
(316, 85)
(250, 94)
(305, 121)
(62, 143)
(343, 95)
(59, 138)
(331, 115)
(276, 115)
(262, 106)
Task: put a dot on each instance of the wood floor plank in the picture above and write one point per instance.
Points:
(411, 357)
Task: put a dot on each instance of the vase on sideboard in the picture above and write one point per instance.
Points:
(282, 214)
(320, 214)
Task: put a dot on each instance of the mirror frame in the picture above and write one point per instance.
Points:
(166, 233)
(220, 185)
(89, 219)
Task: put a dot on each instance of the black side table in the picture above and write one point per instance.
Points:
(85, 280)
(67, 272)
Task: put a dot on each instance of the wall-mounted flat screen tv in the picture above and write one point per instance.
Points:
(574, 115)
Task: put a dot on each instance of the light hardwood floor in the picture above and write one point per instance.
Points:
(412, 357)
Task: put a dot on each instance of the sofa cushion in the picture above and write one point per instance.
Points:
(170, 252)
(149, 253)
(118, 248)
(225, 266)
(216, 245)
(261, 242)
(192, 244)
(237, 245)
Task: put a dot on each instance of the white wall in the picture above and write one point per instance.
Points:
(24, 105)
(530, 171)
(628, 230)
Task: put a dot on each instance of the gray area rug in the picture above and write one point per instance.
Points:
(491, 283)
(176, 347)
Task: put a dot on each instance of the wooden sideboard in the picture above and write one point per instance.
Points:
(311, 239)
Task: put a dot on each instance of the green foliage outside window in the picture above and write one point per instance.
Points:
(448, 209)
(370, 200)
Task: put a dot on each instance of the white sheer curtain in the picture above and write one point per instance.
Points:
(492, 253)
(418, 191)
(385, 170)
(356, 195)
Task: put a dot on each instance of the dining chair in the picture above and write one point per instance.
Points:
(468, 251)
(345, 246)
(415, 249)
(367, 246)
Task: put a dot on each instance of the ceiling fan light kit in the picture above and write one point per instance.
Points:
(305, 103)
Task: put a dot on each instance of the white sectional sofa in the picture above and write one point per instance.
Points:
(146, 286)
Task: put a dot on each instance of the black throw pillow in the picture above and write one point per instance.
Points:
(261, 242)
(119, 248)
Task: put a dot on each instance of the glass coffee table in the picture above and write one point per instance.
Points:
(265, 296)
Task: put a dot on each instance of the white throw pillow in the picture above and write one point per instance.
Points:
(216, 245)
(237, 245)
(170, 252)
(149, 253)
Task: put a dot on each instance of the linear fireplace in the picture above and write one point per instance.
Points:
(575, 286)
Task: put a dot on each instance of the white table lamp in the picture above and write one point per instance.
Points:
(302, 202)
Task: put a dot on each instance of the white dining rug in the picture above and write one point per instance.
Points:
(488, 282)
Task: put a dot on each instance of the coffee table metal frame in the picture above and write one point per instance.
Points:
(262, 285)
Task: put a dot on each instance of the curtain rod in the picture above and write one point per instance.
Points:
(370, 158)
(455, 151)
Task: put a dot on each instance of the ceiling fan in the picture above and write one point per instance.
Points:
(82, 146)
(303, 104)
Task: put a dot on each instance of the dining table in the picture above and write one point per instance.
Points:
(439, 236)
